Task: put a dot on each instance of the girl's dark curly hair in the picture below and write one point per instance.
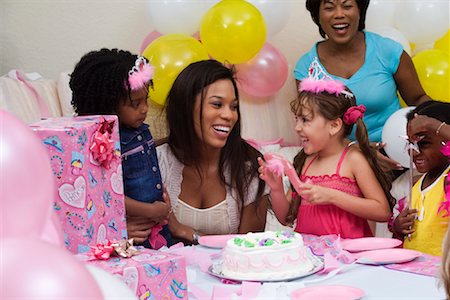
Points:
(434, 109)
(100, 81)
(313, 6)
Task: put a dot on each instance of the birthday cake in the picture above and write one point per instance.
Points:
(266, 255)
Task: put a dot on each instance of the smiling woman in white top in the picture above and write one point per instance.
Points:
(210, 172)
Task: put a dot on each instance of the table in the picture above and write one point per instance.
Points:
(378, 282)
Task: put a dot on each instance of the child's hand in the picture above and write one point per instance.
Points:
(386, 163)
(274, 181)
(161, 211)
(316, 194)
(139, 228)
(421, 124)
(404, 222)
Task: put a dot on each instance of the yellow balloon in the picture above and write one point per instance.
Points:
(443, 43)
(233, 31)
(170, 54)
(433, 69)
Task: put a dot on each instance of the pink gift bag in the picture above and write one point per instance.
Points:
(151, 274)
(84, 154)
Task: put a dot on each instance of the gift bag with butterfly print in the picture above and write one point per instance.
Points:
(151, 274)
(84, 154)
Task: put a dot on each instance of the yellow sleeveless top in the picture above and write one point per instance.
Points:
(430, 226)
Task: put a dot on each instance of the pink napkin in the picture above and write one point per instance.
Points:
(424, 265)
(198, 292)
(193, 256)
(222, 293)
(247, 290)
(330, 263)
(156, 239)
(320, 245)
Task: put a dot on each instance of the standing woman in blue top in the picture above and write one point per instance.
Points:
(116, 82)
(372, 66)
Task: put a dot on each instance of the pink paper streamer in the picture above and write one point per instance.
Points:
(43, 108)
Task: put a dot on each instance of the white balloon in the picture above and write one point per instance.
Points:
(422, 22)
(395, 35)
(394, 135)
(275, 13)
(111, 287)
(380, 13)
(177, 16)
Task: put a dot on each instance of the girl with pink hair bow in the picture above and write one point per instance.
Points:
(343, 187)
(117, 82)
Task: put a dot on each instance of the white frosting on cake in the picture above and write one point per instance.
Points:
(266, 256)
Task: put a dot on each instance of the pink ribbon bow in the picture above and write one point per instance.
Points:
(445, 205)
(446, 149)
(156, 239)
(102, 146)
(123, 248)
(102, 251)
(353, 114)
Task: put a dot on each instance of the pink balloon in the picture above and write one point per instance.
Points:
(264, 74)
(53, 232)
(33, 269)
(153, 35)
(28, 185)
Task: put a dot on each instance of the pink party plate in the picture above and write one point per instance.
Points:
(216, 241)
(387, 256)
(325, 292)
(369, 243)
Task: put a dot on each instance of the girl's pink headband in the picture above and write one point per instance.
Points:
(318, 81)
(141, 73)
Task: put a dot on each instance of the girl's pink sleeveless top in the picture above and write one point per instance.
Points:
(330, 219)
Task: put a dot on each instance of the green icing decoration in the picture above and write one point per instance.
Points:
(269, 242)
(238, 241)
(249, 244)
(286, 242)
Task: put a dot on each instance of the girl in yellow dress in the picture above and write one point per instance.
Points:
(425, 223)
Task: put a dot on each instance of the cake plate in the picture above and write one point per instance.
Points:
(216, 270)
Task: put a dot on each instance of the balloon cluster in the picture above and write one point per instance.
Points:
(233, 32)
(422, 28)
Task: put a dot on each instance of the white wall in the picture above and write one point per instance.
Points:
(50, 36)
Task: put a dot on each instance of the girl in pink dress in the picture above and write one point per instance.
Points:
(342, 184)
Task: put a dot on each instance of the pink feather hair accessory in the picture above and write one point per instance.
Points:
(318, 86)
(141, 73)
(275, 166)
(280, 165)
(318, 82)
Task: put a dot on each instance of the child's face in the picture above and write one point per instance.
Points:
(430, 157)
(312, 128)
(133, 112)
(219, 114)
